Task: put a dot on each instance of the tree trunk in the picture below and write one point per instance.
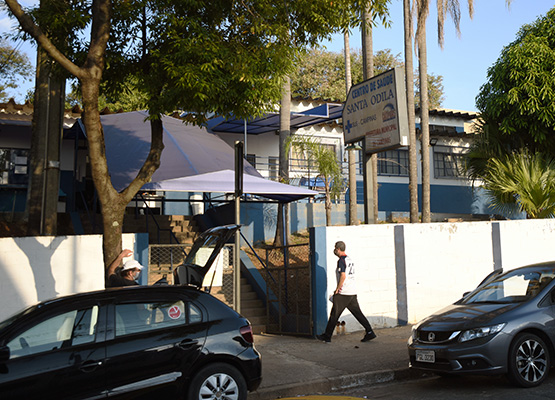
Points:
(371, 162)
(282, 226)
(413, 164)
(351, 153)
(327, 201)
(424, 120)
(37, 155)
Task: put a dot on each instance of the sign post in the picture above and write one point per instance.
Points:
(376, 110)
(376, 113)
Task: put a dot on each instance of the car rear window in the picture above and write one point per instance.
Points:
(143, 317)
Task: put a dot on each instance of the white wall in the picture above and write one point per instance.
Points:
(34, 269)
(442, 261)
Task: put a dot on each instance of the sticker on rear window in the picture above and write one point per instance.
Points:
(174, 312)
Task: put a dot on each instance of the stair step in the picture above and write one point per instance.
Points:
(256, 320)
(252, 303)
(254, 312)
(258, 329)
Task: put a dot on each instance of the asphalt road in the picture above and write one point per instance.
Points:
(455, 388)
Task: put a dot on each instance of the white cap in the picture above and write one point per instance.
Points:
(131, 264)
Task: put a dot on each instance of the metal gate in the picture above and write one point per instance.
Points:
(164, 258)
(288, 294)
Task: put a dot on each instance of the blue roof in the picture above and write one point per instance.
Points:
(269, 122)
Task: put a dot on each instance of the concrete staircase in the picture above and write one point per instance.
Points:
(185, 229)
(163, 229)
(252, 307)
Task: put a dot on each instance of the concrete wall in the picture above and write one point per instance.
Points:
(34, 269)
(407, 271)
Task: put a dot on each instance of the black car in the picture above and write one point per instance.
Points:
(505, 326)
(171, 342)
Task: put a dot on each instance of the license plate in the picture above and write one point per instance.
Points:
(427, 356)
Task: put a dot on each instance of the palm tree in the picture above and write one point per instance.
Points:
(371, 174)
(282, 227)
(443, 7)
(522, 181)
(351, 152)
(324, 161)
(409, 77)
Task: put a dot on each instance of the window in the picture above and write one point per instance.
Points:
(393, 162)
(13, 167)
(301, 161)
(448, 165)
(251, 159)
(69, 329)
(143, 317)
(273, 167)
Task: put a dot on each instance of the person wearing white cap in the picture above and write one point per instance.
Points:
(127, 275)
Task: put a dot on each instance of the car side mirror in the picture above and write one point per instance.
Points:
(4, 354)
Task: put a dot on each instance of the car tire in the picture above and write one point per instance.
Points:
(218, 381)
(529, 361)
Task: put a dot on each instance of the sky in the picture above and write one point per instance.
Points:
(463, 62)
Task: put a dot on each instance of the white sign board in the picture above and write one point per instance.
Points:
(376, 110)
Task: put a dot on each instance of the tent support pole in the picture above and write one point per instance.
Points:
(236, 254)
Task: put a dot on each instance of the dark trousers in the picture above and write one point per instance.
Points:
(340, 303)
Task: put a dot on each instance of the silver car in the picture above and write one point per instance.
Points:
(505, 326)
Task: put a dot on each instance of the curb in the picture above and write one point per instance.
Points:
(328, 385)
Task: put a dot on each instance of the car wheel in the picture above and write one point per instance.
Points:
(529, 361)
(218, 381)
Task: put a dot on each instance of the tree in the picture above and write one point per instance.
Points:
(323, 161)
(321, 75)
(409, 76)
(422, 9)
(14, 65)
(204, 56)
(517, 103)
(522, 181)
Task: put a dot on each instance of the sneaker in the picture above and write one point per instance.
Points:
(323, 338)
(369, 336)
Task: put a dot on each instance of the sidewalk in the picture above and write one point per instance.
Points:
(294, 366)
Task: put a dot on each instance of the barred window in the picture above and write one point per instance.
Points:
(273, 167)
(251, 159)
(393, 163)
(448, 165)
(14, 167)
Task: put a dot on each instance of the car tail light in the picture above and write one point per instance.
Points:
(246, 332)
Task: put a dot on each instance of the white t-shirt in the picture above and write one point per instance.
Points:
(345, 264)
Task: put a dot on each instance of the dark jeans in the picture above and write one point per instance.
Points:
(340, 303)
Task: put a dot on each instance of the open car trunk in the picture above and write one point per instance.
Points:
(204, 252)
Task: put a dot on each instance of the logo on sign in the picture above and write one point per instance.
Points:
(174, 312)
(388, 112)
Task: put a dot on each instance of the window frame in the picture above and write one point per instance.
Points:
(99, 335)
(396, 163)
(9, 166)
(456, 164)
(188, 303)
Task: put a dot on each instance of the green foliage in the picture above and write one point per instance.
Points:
(322, 159)
(321, 75)
(14, 65)
(522, 180)
(435, 91)
(519, 97)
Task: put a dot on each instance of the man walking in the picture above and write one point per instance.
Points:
(345, 296)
